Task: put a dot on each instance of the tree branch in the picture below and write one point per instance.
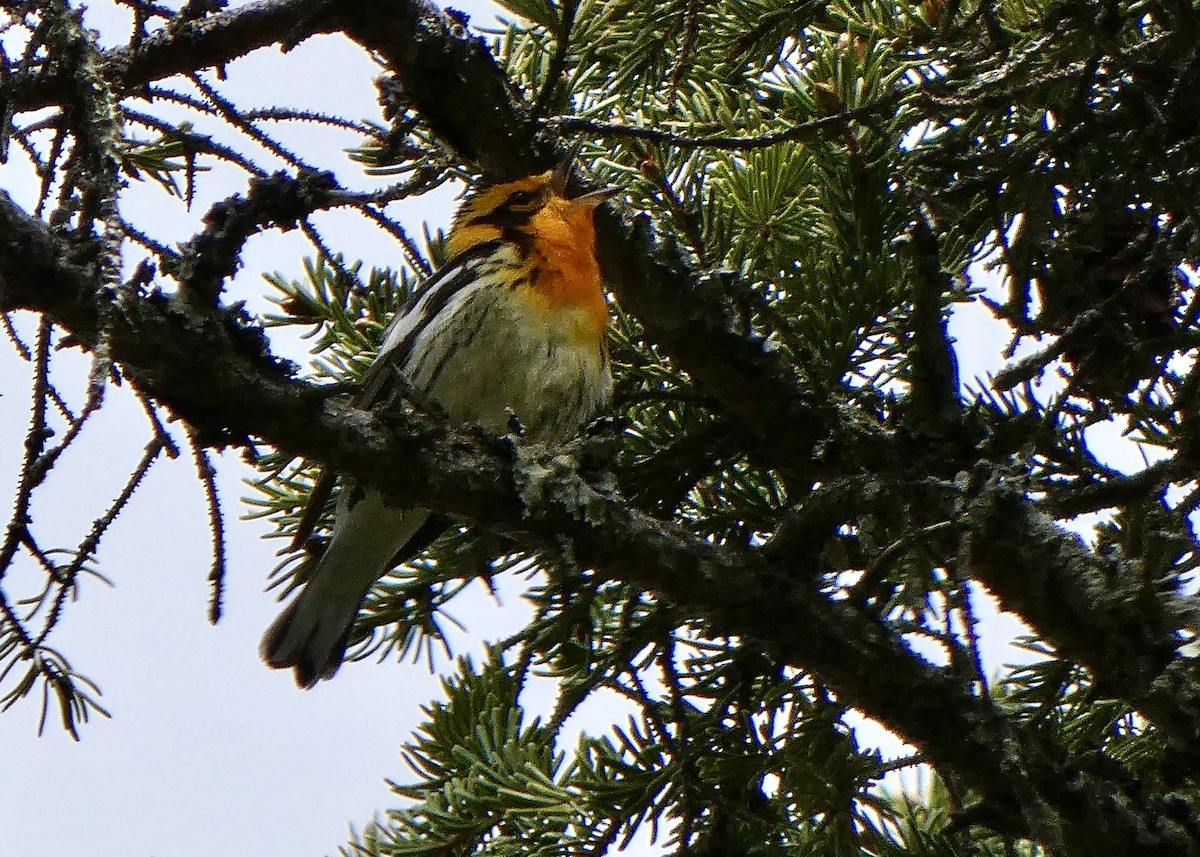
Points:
(935, 398)
(183, 47)
(203, 364)
(1105, 615)
(215, 371)
(454, 82)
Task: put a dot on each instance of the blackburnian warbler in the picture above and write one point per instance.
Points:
(513, 322)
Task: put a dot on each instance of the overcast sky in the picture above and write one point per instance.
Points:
(208, 752)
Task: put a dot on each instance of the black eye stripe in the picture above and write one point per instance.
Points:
(503, 216)
(516, 210)
(519, 197)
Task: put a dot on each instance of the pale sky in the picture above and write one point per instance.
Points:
(208, 752)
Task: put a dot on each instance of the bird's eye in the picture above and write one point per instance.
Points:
(520, 199)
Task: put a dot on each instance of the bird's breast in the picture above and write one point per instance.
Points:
(516, 349)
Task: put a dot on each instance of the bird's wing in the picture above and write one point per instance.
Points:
(443, 289)
(442, 292)
(314, 508)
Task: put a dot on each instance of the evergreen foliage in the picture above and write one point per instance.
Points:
(819, 185)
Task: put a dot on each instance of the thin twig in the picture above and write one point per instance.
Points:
(35, 443)
(962, 594)
(195, 143)
(558, 62)
(216, 523)
(864, 588)
(15, 338)
(691, 23)
(901, 763)
(411, 254)
(229, 111)
(91, 543)
(814, 129)
(95, 397)
(160, 431)
(283, 114)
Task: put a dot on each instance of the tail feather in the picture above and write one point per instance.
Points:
(311, 634)
(310, 637)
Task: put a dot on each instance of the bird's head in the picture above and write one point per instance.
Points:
(524, 211)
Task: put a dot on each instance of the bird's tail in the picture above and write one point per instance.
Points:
(311, 634)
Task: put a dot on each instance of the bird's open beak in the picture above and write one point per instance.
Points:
(591, 200)
(558, 183)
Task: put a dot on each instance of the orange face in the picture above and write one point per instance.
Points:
(555, 235)
(500, 210)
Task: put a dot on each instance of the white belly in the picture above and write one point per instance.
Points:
(509, 357)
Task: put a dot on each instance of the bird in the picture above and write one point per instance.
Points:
(512, 325)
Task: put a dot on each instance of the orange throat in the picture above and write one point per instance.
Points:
(561, 264)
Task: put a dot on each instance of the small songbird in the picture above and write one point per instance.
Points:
(513, 324)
